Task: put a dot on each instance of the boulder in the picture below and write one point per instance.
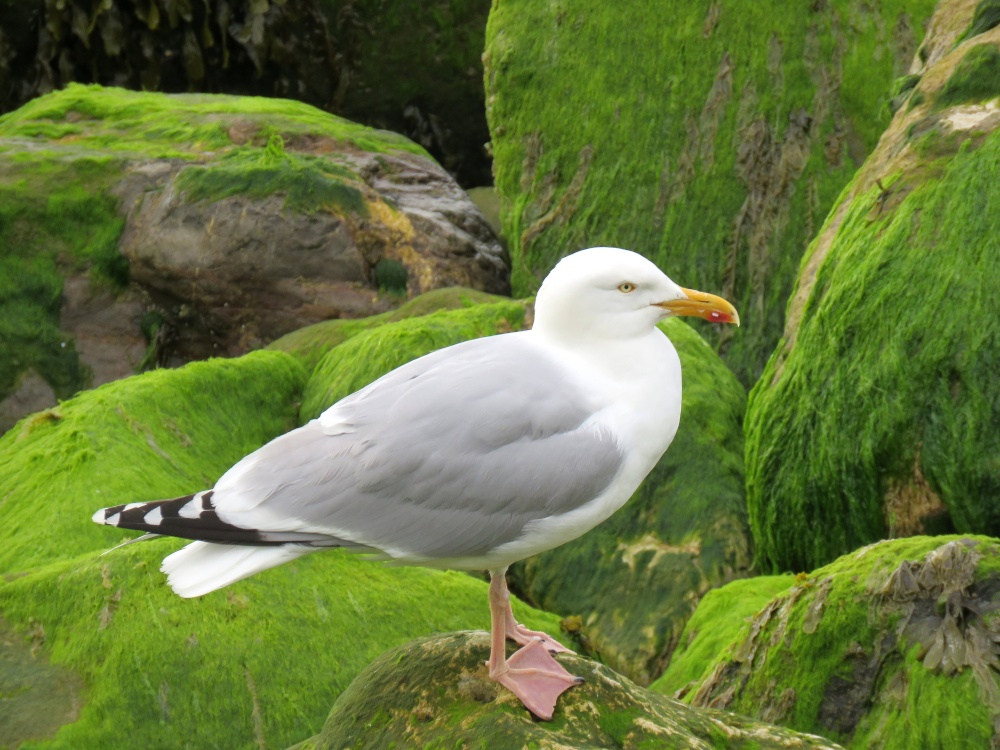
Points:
(311, 343)
(150, 230)
(876, 417)
(712, 137)
(256, 664)
(891, 646)
(435, 692)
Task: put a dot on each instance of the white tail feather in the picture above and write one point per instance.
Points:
(202, 567)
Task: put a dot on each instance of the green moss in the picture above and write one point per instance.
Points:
(722, 616)
(369, 355)
(975, 78)
(162, 434)
(55, 219)
(308, 183)
(178, 125)
(259, 662)
(839, 649)
(891, 380)
(901, 90)
(606, 130)
(682, 533)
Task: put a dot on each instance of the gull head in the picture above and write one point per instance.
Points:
(608, 292)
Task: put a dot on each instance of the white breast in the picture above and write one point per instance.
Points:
(637, 398)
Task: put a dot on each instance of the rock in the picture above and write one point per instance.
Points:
(892, 646)
(257, 663)
(632, 582)
(196, 226)
(607, 130)
(435, 692)
(721, 614)
(876, 416)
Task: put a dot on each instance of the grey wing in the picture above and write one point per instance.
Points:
(448, 456)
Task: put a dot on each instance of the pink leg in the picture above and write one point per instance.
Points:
(531, 673)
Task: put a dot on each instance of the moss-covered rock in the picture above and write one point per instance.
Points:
(435, 692)
(133, 665)
(258, 663)
(229, 220)
(877, 415)
(626, 127)
(635, 580)
(892, 647)
(721, 614)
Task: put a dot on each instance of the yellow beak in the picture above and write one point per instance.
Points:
(708, 306)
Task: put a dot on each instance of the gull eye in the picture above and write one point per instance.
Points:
(626, 287)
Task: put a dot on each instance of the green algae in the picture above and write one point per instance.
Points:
(257, 664)
(114, 120)
(636, 578)
(721, 617)
(975, 78)
(310, 344)
(890, 385)
(55, 219)
(626, 127)
(307, 183)
(368, 355)
(162, 434)
(845, 652)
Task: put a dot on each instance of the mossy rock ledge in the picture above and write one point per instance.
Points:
(146, 229)
(435, 693)
(712, 137)
(892, 647)
(876, 416)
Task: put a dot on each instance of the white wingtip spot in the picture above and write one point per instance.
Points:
(154, 517)
(98, 517)
(192, 508)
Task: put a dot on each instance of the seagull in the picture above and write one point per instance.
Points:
(472, 457)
